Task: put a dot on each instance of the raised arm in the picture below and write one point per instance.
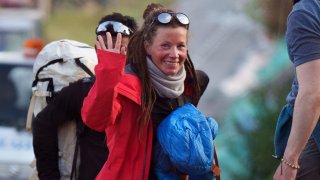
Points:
(101, 106)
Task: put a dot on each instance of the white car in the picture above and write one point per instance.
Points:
(16, 150)
(17, 25)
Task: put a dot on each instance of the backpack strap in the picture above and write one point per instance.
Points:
(75, 159)
(30, 113)
(81, 128)
(35, 81)
(50, 91)
(32, 102)
(83, 66)
(77, 60)
(215, 168)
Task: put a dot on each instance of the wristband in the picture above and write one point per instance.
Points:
(289, 164)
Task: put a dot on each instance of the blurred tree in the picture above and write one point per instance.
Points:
(58, 4)
(251, 124)
(269, 97)
(268, 100)
(251, 121)
(272, 14)
(77, 19)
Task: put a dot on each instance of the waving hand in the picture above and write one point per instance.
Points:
(108, 46)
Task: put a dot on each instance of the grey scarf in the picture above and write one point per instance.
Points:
(166, 86)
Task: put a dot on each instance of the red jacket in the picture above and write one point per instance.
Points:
(113, 105)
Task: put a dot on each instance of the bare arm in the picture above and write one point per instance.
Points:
(305, 116)
(306, 109)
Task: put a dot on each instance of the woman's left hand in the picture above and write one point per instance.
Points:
(100, 44)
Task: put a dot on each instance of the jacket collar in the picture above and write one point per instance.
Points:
(130, 87)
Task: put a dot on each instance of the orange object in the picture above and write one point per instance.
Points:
(32, 47)
(216, 170)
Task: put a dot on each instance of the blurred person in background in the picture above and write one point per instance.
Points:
(297, 135)
(155, 78)
(66, 106)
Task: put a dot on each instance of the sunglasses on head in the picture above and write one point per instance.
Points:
(117, 27)
(166, 18)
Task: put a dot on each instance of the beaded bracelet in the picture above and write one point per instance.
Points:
(289, 164)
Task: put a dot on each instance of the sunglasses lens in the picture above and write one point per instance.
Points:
(183, 19)
(120, 28)
(164, 18)
(115, 27)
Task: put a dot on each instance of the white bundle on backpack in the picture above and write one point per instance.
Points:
(58, 64)
(62, 72)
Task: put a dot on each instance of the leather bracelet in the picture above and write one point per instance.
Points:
(289, 164)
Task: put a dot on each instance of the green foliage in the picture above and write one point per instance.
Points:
(78, 22)
(245, 144)
(254, 10)
(268, 99)
(271, 13)
(72, 24)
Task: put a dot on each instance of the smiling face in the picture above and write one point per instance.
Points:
(168, 49)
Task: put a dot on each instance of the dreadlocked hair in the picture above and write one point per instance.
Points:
(192, 80)
(136, 57)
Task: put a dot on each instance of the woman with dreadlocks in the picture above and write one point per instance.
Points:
(132, 94)
(297, 135)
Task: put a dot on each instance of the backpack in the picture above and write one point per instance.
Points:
(58, 64)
